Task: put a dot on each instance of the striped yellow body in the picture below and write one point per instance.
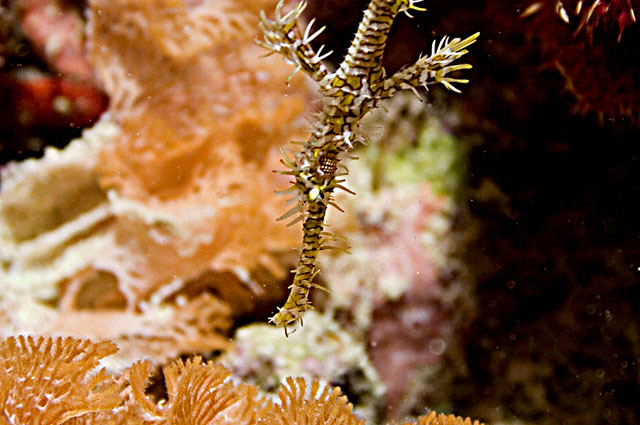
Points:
(356, 87)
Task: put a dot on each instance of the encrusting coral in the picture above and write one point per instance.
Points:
(53, 382)
(200, 126)
(54, 241)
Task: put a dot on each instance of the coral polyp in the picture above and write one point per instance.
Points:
(356, 87)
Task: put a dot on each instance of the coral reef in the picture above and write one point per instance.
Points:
(157, 207)
(262, 355)
(50, 381)
(121, 227)
(154, 209)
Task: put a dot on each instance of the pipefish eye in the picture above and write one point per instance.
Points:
(328, 165)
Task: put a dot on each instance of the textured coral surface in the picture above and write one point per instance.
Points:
(46, 381)
(200, 127)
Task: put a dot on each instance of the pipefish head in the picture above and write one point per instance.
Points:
(288, 318)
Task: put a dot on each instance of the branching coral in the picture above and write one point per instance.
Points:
(198, 392)
(435, 419)
(355, 88)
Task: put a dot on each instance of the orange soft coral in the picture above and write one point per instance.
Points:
(202, 115)
(439, 419)
(312, 404)
(198, 394)
(46, 381)
(190, 91)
